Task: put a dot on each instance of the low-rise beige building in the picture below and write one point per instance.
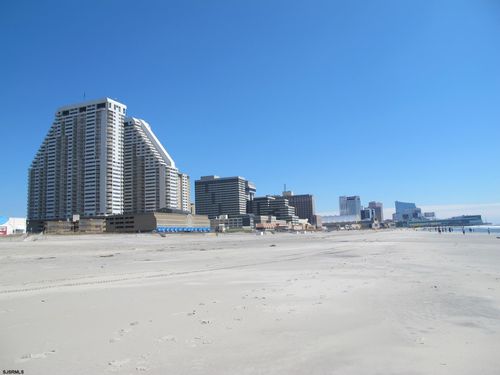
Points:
(161, 221)
(129, 223)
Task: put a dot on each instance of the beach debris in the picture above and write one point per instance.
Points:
(119, 363)
(123, 331)
(167, 338)
(272, 245)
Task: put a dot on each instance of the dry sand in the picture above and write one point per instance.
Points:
(396, 302)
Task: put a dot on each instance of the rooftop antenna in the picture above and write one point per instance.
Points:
(84, 95)
(284, 187)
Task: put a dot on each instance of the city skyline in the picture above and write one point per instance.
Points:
(327, 78)
(142, 126)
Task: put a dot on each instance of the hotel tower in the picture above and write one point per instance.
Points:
(95, 162)
(151, 179)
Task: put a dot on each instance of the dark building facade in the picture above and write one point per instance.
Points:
(368, 214)
(215, 196)
(304, 205)
(277, 206)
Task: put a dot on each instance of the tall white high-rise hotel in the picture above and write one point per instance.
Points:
(96, 162)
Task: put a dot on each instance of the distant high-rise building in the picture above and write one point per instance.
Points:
(406, 211)
(261, 206)
(277, 206)
(283, 210)
(79, 167)
(368, 214)
(304, 205)
(215, 196)
(379, 210)
(152, 181)
(184, 192)
(350, 205)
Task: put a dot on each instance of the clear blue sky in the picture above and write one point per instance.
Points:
(389, 100)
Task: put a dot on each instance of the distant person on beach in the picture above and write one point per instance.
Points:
(463, 230)
(488, 230)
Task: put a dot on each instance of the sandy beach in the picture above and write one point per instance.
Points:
(361, 302)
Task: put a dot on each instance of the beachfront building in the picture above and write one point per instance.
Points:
(79, 167)
(12, 225)
(456, 221)
(368, 214)
(274, 205)
(216, 196)
(303, 204)
(95, 163)
(151, 179)
(225, 222)
(379, 210)
(261, 206)
(350, 206)
(406, 211)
